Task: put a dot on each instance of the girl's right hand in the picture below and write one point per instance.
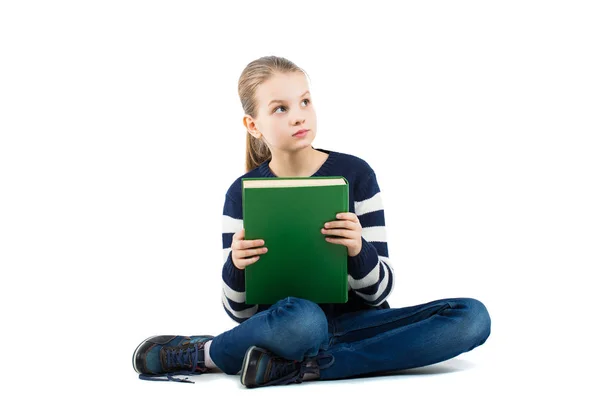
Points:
(245, 252)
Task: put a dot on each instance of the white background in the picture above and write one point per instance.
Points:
(121, 130)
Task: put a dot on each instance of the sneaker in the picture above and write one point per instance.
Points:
(262, 368)
(161, 357)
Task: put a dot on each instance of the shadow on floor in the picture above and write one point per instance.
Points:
(449, 366)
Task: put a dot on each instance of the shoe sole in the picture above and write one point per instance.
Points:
(136, 351)
(245, 367)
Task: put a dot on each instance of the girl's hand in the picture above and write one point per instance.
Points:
(349, 230)
(245, 252)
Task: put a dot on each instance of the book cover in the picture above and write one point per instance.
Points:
(288, 214)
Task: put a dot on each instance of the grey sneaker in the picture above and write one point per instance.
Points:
(159, 358)
(262, 368)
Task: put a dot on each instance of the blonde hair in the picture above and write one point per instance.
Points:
(253, 75)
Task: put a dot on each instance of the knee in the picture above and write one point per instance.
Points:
(477, 325)
(304, 329)
(305, 321)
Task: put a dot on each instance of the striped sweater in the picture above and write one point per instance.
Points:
(370, 273)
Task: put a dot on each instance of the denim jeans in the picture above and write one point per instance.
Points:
(367, 341)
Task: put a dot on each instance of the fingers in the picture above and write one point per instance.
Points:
(247, 244)
(246, 252)
(239, 234)
(253, 252)
(243, 258)
(244, 262)
(347, 216)
(339, 232)
(239, 243)
(341, 224)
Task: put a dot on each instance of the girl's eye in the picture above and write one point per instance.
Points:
(281, 106)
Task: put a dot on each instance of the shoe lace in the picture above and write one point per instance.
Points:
(175, 359)
(281, 368)
(311, 365)
(284, 371)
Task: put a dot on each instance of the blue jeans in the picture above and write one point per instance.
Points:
(367, 341)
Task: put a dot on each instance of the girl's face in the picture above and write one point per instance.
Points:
(284, 107)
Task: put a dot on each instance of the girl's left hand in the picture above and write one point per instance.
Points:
(347, 227)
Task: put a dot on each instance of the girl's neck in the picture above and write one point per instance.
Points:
(303, 163)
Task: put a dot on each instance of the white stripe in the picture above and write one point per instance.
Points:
(247, 313)
(380, 290)
(234, 295)
(392, 272)
(370, 279)
(381, 300)
(374, 234)
(390, 269)
(226, 253)
(369, 205)
(232, 225)
(386, 260)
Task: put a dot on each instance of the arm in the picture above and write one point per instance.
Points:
(233, 295)
(371, 274)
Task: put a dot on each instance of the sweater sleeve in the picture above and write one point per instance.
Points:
(233, 295)
(370, 272)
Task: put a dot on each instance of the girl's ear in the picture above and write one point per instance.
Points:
(251, 127)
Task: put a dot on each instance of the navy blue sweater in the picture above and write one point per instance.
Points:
(370, 273)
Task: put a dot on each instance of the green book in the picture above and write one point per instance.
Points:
(288, 214)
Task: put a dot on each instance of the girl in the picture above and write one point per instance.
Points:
(295, 339)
